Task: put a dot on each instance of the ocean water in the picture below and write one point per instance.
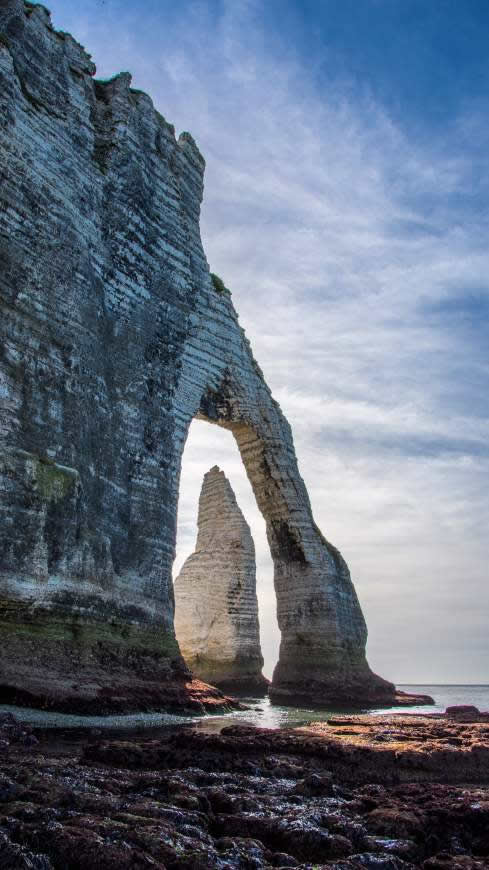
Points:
(266, 715)
(260, 712)
(450, 695)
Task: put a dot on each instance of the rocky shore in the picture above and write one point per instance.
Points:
(392, 792)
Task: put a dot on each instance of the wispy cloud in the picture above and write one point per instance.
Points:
(357, 255)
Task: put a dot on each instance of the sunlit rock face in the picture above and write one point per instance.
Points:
(113, 337)
(216, 608)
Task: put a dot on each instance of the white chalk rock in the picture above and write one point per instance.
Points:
(216, 608)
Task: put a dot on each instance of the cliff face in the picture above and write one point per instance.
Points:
(113, 338)
(216, 608)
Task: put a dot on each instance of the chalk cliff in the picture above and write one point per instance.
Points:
(113, 338)
(216, 608)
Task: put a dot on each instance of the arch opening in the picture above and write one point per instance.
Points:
(322, 630)
(206, 446)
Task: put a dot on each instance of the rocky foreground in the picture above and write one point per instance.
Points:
(362, 792)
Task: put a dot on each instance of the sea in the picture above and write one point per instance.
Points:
(259, 712)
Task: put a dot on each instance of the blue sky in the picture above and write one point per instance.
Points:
(421, 59)
(346, 207)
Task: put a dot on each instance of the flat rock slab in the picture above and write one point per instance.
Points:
(409, 747)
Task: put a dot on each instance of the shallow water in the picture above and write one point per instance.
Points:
(260, 712)
(267, 715)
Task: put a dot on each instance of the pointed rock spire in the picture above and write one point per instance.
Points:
(216, 608)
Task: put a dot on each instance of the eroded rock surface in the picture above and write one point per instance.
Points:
(113, 338)
(245, 798)
(216, 608)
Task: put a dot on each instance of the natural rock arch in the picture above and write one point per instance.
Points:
(113, 338)
(323, 632)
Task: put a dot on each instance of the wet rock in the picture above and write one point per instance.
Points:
(9, 790)
(313, 844)
(315, 785)
(373, 861)
(281, 859)
(445, 861)
(16, 857)
(242, 852)
(12, 731)
(394, 822)
(406, 849)
(463, 711)
(298, 837)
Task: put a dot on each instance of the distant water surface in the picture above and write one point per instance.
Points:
(267, 715)
(260, 712)
(449, 696)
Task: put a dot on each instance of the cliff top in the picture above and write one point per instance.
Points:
(16, 14)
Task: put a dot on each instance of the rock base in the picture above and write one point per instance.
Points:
(409, 699)
(98, 667)
(256, 686)
(370, 693)
(174, 696)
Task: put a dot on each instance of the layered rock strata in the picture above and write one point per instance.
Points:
(113, 338)
(216, 608)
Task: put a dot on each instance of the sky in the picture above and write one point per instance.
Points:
(345, 206)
